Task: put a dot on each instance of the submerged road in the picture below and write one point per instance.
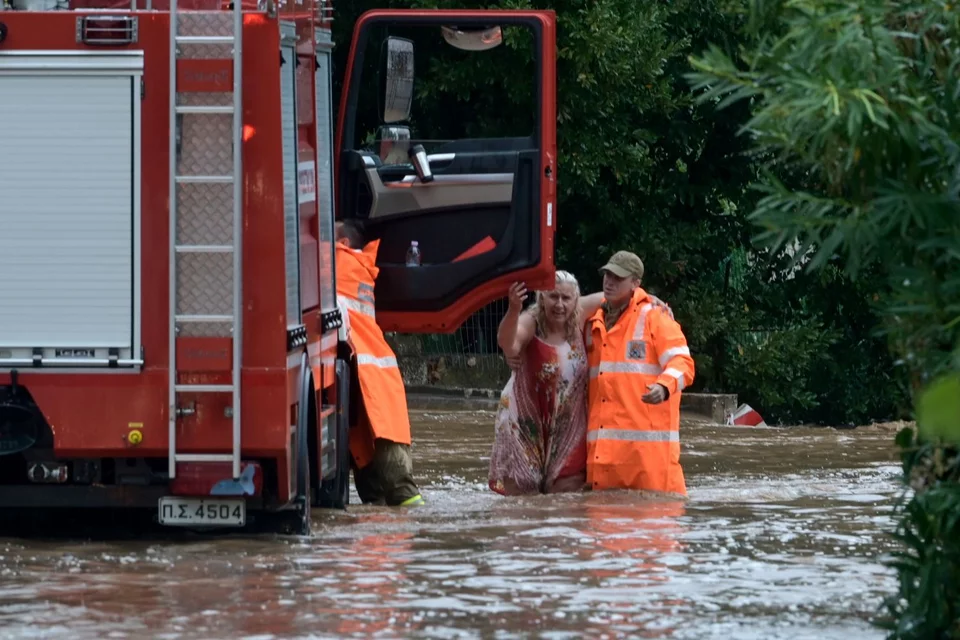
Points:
(783, 537)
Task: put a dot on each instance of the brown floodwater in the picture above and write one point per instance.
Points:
(784, 537)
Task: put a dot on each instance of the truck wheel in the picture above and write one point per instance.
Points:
(335, 493)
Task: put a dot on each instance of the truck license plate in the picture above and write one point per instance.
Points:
(202, 511)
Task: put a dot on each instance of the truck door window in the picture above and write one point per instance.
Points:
(499, 82)
(471, 186)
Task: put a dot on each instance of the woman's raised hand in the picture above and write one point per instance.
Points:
(518, 292)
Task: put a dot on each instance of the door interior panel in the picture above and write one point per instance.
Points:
(479, 205)
(406, 195)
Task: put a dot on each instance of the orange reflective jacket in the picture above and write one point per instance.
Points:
(384, 397)
(631, 444)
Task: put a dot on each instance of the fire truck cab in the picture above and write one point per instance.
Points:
(170, 173)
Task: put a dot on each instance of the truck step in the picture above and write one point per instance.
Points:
(204, 388)
(206, 109)
(204, 179)
(204, 248)
(204, 39)
(218, 318)
(204, 457)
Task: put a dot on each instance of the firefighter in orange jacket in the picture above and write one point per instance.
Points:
(380, 433)
(639, 363)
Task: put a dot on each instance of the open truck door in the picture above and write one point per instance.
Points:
(477, 194)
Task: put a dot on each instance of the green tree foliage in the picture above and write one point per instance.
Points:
(858, 101)
(643, 166)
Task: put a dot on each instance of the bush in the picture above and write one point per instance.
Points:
(857, 102)
(793, 353)
(926, 604)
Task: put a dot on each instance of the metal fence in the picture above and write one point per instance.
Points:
(471, 358)
(471, 348)
(476, 336)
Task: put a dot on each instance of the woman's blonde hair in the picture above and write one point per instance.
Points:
(574, 322)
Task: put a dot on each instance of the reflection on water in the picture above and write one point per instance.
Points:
(782, 538)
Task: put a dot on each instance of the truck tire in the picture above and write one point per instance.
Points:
(295, 519)
(335, 493)
(306, 420)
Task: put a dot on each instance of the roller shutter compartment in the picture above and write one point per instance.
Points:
(69, 210)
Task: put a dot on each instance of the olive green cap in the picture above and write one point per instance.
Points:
(624, 264)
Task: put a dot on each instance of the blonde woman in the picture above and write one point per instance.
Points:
(540, 440)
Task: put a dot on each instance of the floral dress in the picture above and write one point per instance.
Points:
(541, 425)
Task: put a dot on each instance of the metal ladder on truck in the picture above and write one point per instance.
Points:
(212, 37)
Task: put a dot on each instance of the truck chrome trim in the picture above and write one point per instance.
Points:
(69, 362)
(123, 63)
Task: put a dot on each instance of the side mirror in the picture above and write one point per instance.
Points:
(397, 84)
(394, 144)
(418, 156)
(473, 39)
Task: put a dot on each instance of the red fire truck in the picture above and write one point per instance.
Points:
(170, 337)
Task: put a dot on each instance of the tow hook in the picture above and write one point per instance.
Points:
(47, 472)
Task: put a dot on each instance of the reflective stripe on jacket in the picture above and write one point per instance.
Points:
(631, 444)
(384, 397)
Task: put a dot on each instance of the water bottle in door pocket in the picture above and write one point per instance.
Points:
(413, 254)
